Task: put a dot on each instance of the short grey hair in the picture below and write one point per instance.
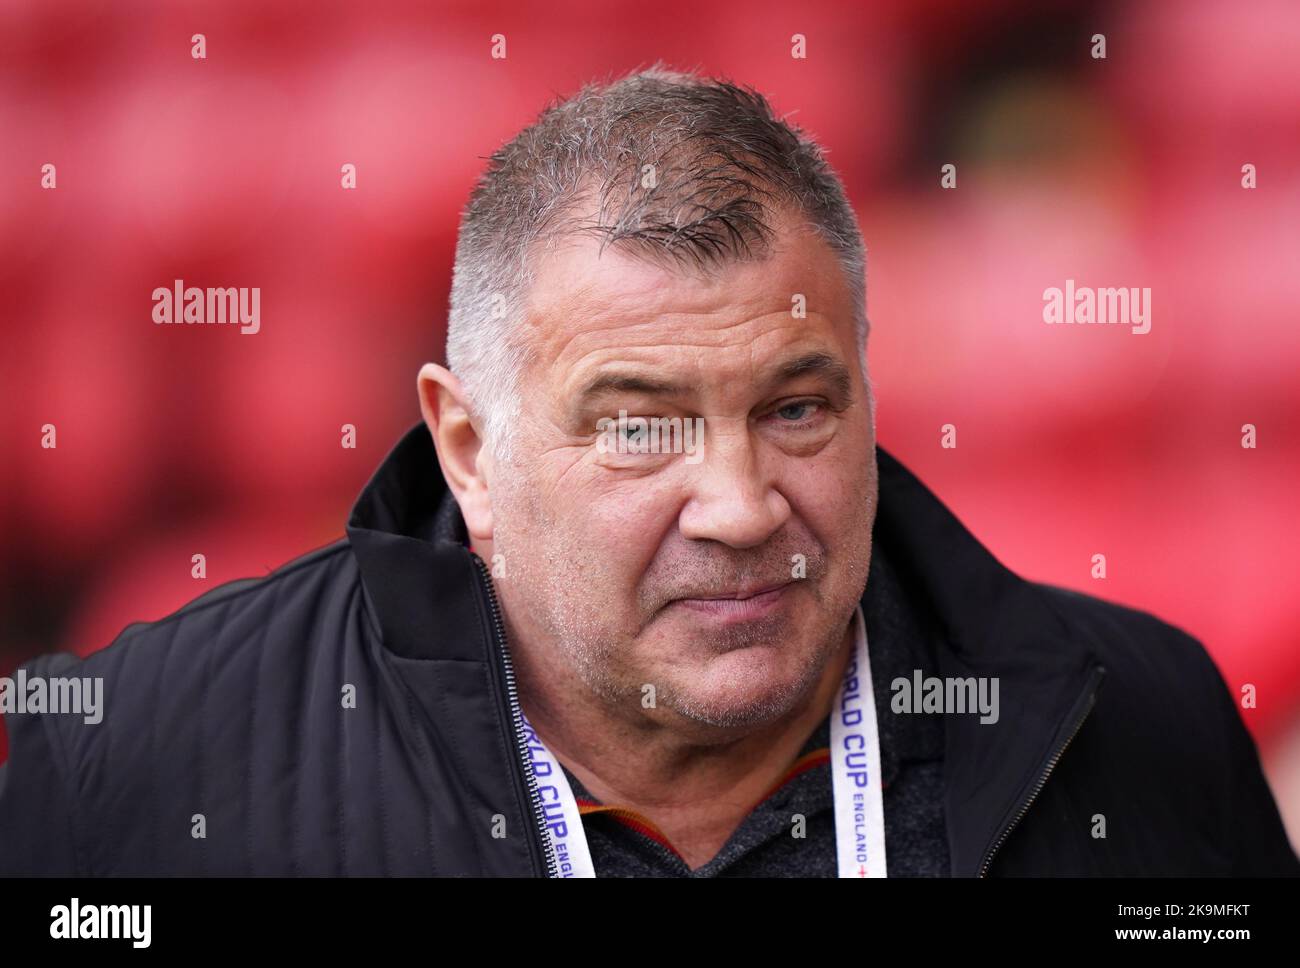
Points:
(723, 164)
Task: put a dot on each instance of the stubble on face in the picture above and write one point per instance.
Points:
(568, 596)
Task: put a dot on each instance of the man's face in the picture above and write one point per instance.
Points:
(615, 562)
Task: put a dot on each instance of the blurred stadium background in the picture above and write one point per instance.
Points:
(225, 172)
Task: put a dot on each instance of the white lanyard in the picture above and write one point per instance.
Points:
(855, 773)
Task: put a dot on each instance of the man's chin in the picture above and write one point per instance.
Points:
(742, 688)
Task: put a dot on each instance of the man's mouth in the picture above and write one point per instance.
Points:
(737, 605)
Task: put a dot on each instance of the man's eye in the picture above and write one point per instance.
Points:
(796, 412)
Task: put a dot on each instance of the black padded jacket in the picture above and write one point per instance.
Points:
(226, 748)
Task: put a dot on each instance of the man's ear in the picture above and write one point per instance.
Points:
(464, 461)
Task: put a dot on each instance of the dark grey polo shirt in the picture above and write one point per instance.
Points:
(911, 759)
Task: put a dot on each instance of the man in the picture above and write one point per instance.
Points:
(641, 596)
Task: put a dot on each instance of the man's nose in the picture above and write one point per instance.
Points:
(733, 498)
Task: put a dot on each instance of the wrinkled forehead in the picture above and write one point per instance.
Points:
(590, 303)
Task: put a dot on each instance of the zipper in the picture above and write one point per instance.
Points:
(516, 714)
(1052, 760)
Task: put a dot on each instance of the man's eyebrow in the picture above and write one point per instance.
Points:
(629, 383)
(835, 371)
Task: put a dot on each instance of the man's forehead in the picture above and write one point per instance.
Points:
(584, 297)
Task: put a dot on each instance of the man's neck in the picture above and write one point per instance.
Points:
(696, 790)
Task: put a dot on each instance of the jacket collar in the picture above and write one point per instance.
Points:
(990, 622)
(420, 577)
(416, 567)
